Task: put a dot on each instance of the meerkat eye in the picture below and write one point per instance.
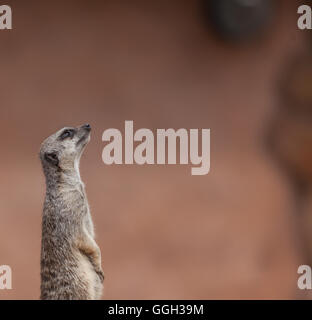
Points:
(67, 134)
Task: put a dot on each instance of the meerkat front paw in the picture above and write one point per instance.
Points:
(100, 273)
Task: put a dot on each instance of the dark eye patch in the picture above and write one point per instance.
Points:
(67, 133)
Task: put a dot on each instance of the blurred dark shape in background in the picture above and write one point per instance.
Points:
(240, 20)
(291, 138)
(296, 83)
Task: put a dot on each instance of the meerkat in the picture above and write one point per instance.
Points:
(70, 258)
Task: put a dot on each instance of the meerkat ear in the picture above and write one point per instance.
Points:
(52, 158)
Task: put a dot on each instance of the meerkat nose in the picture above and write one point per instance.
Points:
(86, 126)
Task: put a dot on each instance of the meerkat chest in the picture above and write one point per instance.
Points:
(74, 199)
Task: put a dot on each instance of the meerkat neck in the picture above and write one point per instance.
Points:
(71, 176)
(66, 177)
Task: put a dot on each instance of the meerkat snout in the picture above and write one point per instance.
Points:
(87, 126)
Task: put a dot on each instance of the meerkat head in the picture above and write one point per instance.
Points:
(62, 150)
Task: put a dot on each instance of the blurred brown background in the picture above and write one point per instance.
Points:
(163, 233)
